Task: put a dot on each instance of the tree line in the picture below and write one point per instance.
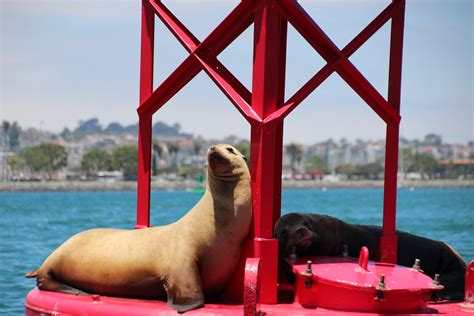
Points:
(47, 158)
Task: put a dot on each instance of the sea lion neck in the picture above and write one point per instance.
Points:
(222, 186)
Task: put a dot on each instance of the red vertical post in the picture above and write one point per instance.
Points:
(145, 120)
(266, 145)
(279, 127)
(388, 241)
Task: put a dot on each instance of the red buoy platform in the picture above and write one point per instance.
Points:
(327, 286)
(51, 303)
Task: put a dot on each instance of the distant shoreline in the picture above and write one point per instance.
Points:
(72, 186)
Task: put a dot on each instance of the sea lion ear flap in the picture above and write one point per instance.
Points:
(244, 158)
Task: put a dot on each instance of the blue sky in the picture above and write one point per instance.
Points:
(65, 61)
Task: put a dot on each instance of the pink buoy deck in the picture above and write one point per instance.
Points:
(49, 303)
(337, 284)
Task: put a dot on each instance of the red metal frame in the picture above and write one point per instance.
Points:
(265, 108)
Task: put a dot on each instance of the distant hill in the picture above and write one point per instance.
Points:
(93, 126)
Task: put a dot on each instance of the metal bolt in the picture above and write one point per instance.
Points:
(381, 284)
(436, 284)
(345, 251)
(308, 270)
(417, 265)
(309, 274)
(293, 255)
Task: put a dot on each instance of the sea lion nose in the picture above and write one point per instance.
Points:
(213, 148)
(214, 159)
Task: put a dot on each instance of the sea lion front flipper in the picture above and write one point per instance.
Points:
(184, 290)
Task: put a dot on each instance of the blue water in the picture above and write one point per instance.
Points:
(34, 224)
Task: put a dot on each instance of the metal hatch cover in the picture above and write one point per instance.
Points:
(349, 284)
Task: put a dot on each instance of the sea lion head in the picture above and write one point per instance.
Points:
(297, 233)
(226, 162)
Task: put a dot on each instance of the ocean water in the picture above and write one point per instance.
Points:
(33, 224)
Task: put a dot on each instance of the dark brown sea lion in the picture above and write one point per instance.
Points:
(322, 235)
(186, 261)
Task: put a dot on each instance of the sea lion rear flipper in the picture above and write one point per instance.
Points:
(184, 291)
(47, 283)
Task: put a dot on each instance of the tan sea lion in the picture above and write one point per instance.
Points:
(186, 261)
(322, 235)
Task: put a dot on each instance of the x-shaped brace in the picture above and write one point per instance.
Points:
(203, 56)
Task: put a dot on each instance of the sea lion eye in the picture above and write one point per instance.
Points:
(231, 150)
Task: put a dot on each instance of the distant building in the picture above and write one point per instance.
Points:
(433, 140)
